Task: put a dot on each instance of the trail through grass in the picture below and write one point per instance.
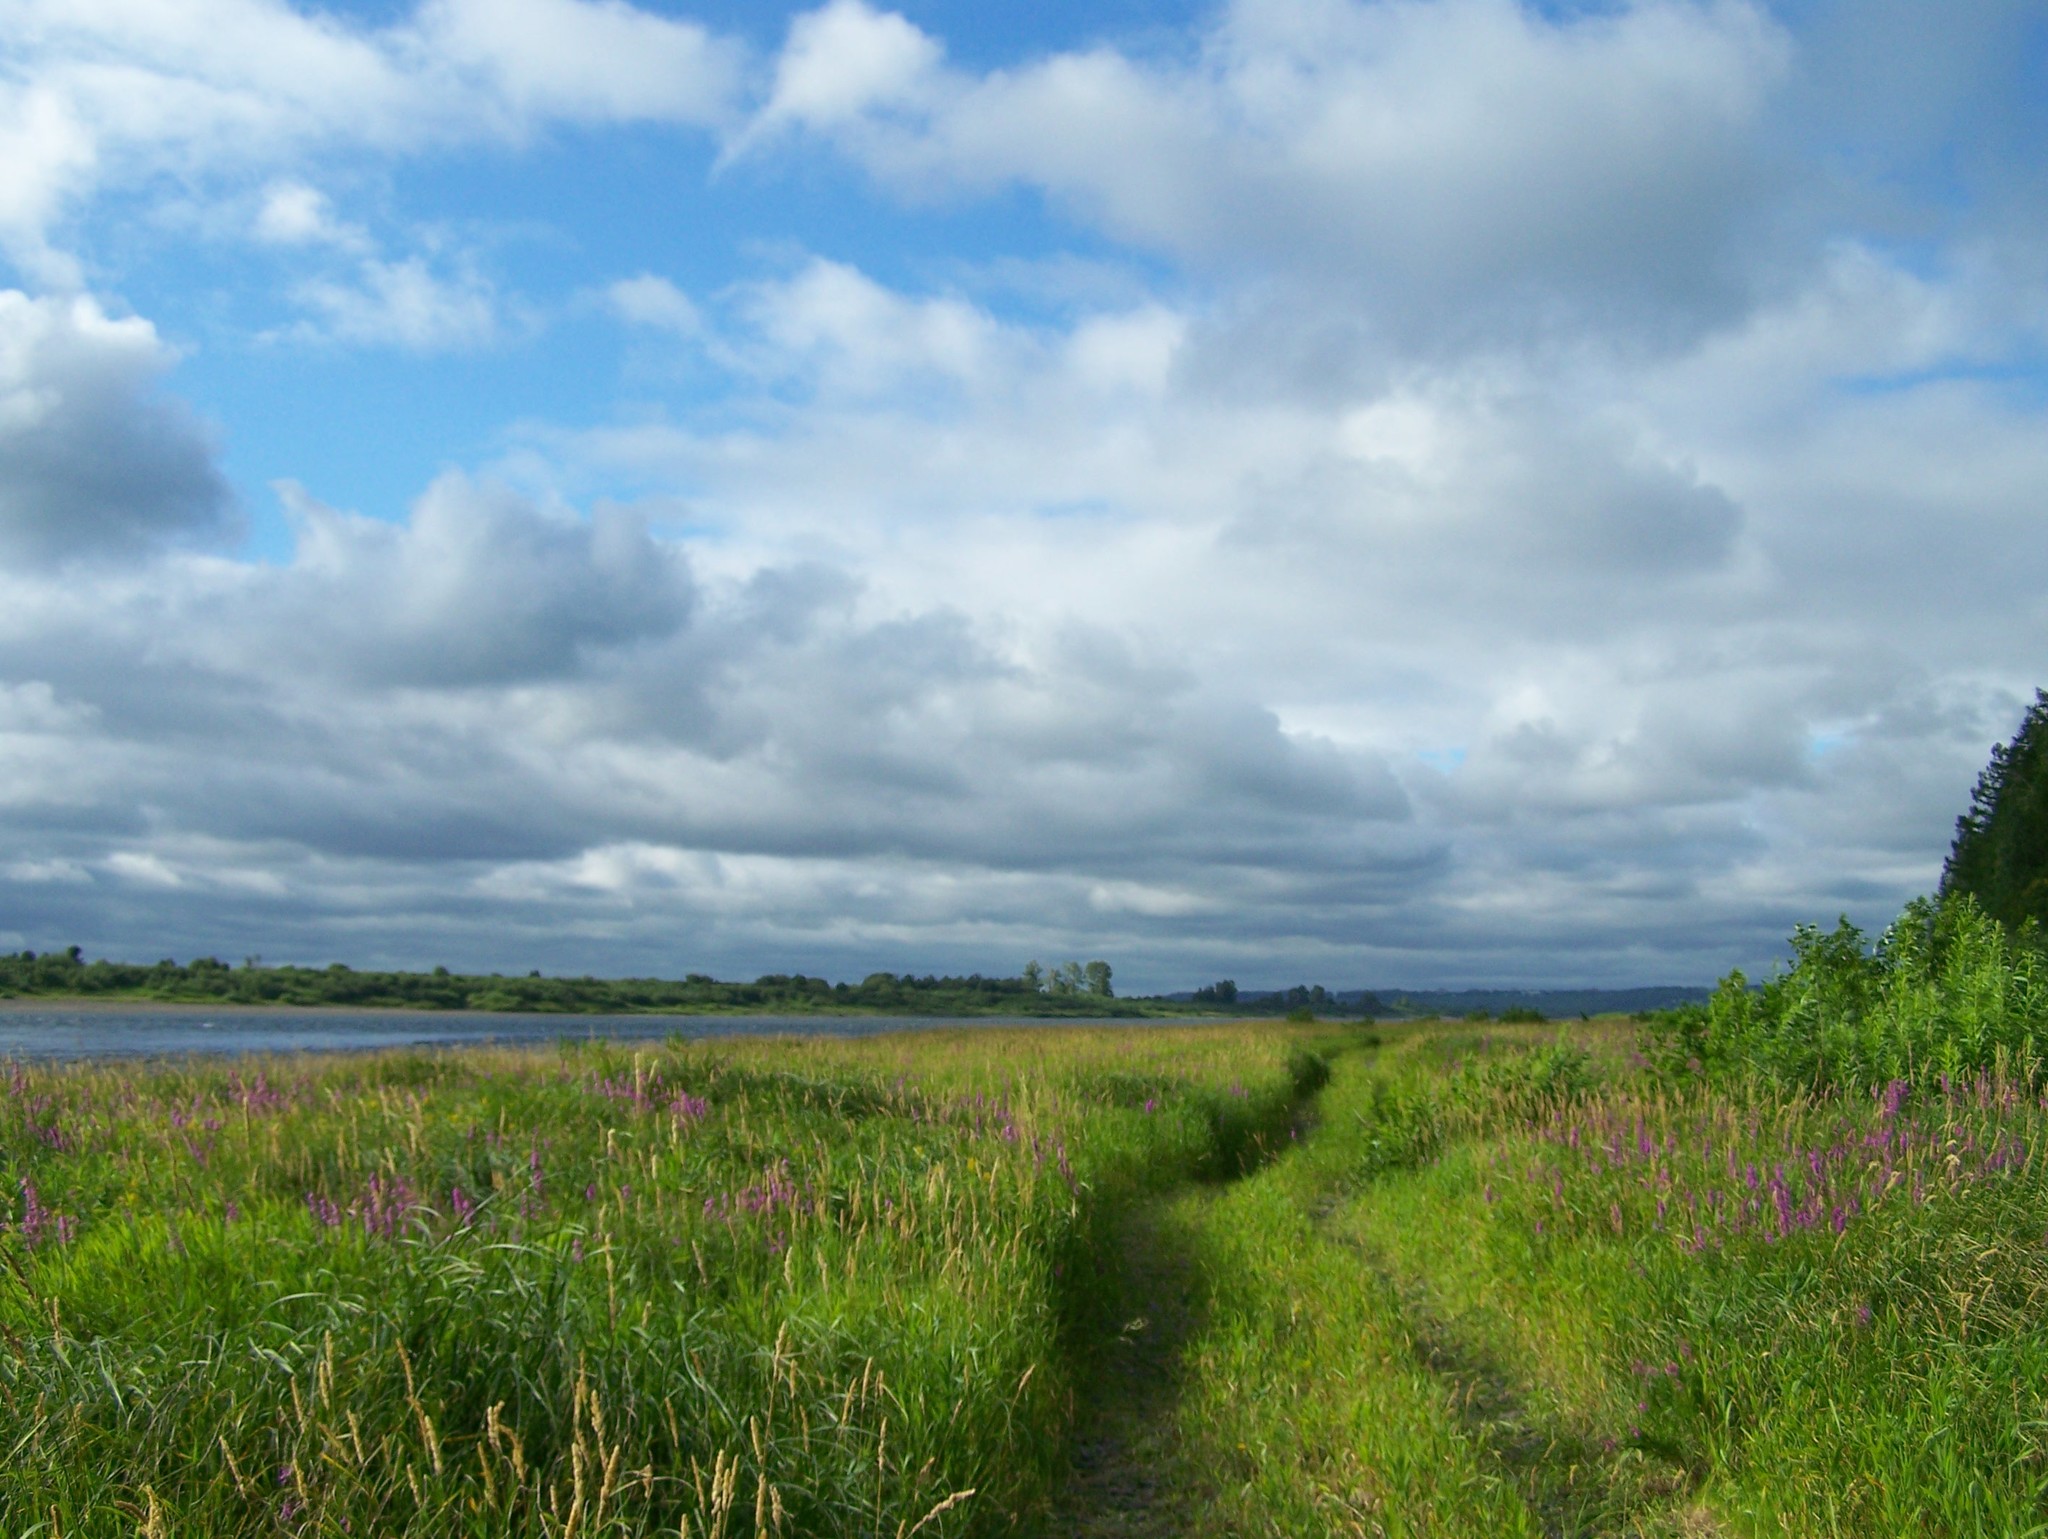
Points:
(1254, 1281)
(1513, 1284)
(1123, 1483)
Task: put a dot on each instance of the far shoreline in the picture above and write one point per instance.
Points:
(104, 1004)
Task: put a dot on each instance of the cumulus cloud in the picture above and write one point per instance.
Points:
(478, 587)
(544, 706)
(836, 327)
(1529, 508)
(842, 63)
(1470, 160)
(93, 461)
(403, 303)
(1609, 622)
(601, 60)
(102, 94)
(46, 151)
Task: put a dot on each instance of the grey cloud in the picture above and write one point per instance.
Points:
(1505, 514)
(402, 711)
(478, 587)
(1530, 554)
(1645, 617)
(93, 462)
(1899, 82)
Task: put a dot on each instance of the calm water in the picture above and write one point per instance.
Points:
(148, 1033)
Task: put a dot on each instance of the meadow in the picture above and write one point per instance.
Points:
(796, 1287)
(1445, 1278)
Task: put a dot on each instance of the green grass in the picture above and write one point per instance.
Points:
(1853, 1344)
(1473, 1279)
(806, 1287)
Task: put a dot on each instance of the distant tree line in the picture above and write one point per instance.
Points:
(1072, 989)
(1314, 999)
(1069, 980)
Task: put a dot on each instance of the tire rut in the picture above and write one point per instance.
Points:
(1575, 1486)
(1118, 1485)
(1120, 1482)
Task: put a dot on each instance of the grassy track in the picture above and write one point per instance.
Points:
(1518, 1285)
(1095, 1283)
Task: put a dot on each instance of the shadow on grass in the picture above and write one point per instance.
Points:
(1577, 1485)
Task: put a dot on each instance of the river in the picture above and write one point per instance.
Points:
(72, 1031)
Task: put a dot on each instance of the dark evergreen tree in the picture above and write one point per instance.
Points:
(2000, 856)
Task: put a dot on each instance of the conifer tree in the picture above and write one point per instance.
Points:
(2000, 855)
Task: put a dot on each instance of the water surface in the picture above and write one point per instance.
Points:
(156, 1031)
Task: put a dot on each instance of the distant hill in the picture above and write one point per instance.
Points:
(1552, 1002)
(1397, 1004)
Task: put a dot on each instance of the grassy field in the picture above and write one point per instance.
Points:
(1254, 1280)
(1517, 1283)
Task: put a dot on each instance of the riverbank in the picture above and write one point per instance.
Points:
(1069, 992)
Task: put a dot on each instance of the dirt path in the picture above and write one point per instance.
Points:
(1124, 1437)
(1127, 1477)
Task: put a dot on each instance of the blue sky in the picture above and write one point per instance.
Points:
(1417, 492)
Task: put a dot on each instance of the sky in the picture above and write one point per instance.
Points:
(1375, 492)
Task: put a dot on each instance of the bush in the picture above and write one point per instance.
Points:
(1946, 990)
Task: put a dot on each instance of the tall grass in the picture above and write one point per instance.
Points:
(774, 1288)
(1736, 1309)
(1442, 1280)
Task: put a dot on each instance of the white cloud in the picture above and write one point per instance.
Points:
(846, 60)
(401, 304)
(45, 151)
(584, 59)
(836, 325)
(1436, 155)
(1131, 350)
(38, 872)
(293, 214)
(655, 303)
(143, 869)
(1508, 517)
(109, 93)
(1623, 587)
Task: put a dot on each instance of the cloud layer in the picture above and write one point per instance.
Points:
(1455, 492)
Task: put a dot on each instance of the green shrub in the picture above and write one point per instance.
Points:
(1946, 990)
